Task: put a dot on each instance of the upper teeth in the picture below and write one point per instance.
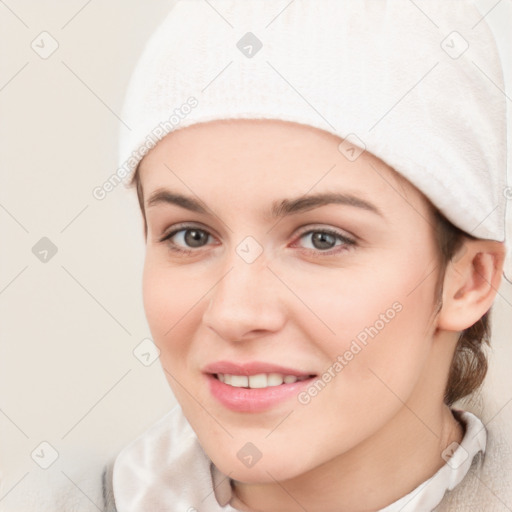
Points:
(261, 380)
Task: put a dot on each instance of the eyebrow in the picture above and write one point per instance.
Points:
(279, 208)
(163, 196)
(308, 202)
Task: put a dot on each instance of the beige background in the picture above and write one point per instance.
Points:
(68, 374)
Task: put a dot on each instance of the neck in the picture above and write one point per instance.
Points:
(387, 466)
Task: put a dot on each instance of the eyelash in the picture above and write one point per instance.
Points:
(346, 241)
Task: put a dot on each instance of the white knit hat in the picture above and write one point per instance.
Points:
(418, 85)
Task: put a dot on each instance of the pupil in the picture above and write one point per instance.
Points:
(195, 237)
(323, 240)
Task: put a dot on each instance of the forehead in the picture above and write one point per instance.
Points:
(258, 160)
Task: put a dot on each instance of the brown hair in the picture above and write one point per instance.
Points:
(469, 364)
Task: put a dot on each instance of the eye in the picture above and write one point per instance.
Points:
(324, 240)
(187, 238)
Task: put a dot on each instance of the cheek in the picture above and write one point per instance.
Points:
(360, 303)
(170, 296)
(374, 359)
(375, 329)
(171, 301)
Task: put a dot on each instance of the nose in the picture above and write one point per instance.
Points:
(245, 303)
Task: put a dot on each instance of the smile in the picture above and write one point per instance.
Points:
(258, 381)
(254, 387)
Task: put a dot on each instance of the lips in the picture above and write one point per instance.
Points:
(251, 368)
(254, 386)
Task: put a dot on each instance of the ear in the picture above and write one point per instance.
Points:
(471, 282)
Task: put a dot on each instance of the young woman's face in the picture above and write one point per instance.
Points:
(289, 289)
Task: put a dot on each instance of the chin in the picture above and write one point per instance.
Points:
(260, 473)
(269, 468)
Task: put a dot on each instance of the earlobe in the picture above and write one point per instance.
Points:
(471, 282)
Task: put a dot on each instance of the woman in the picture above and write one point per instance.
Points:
(322, 188)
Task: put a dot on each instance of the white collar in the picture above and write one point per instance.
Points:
(166, 469)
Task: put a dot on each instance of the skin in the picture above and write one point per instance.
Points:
(378, 429)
